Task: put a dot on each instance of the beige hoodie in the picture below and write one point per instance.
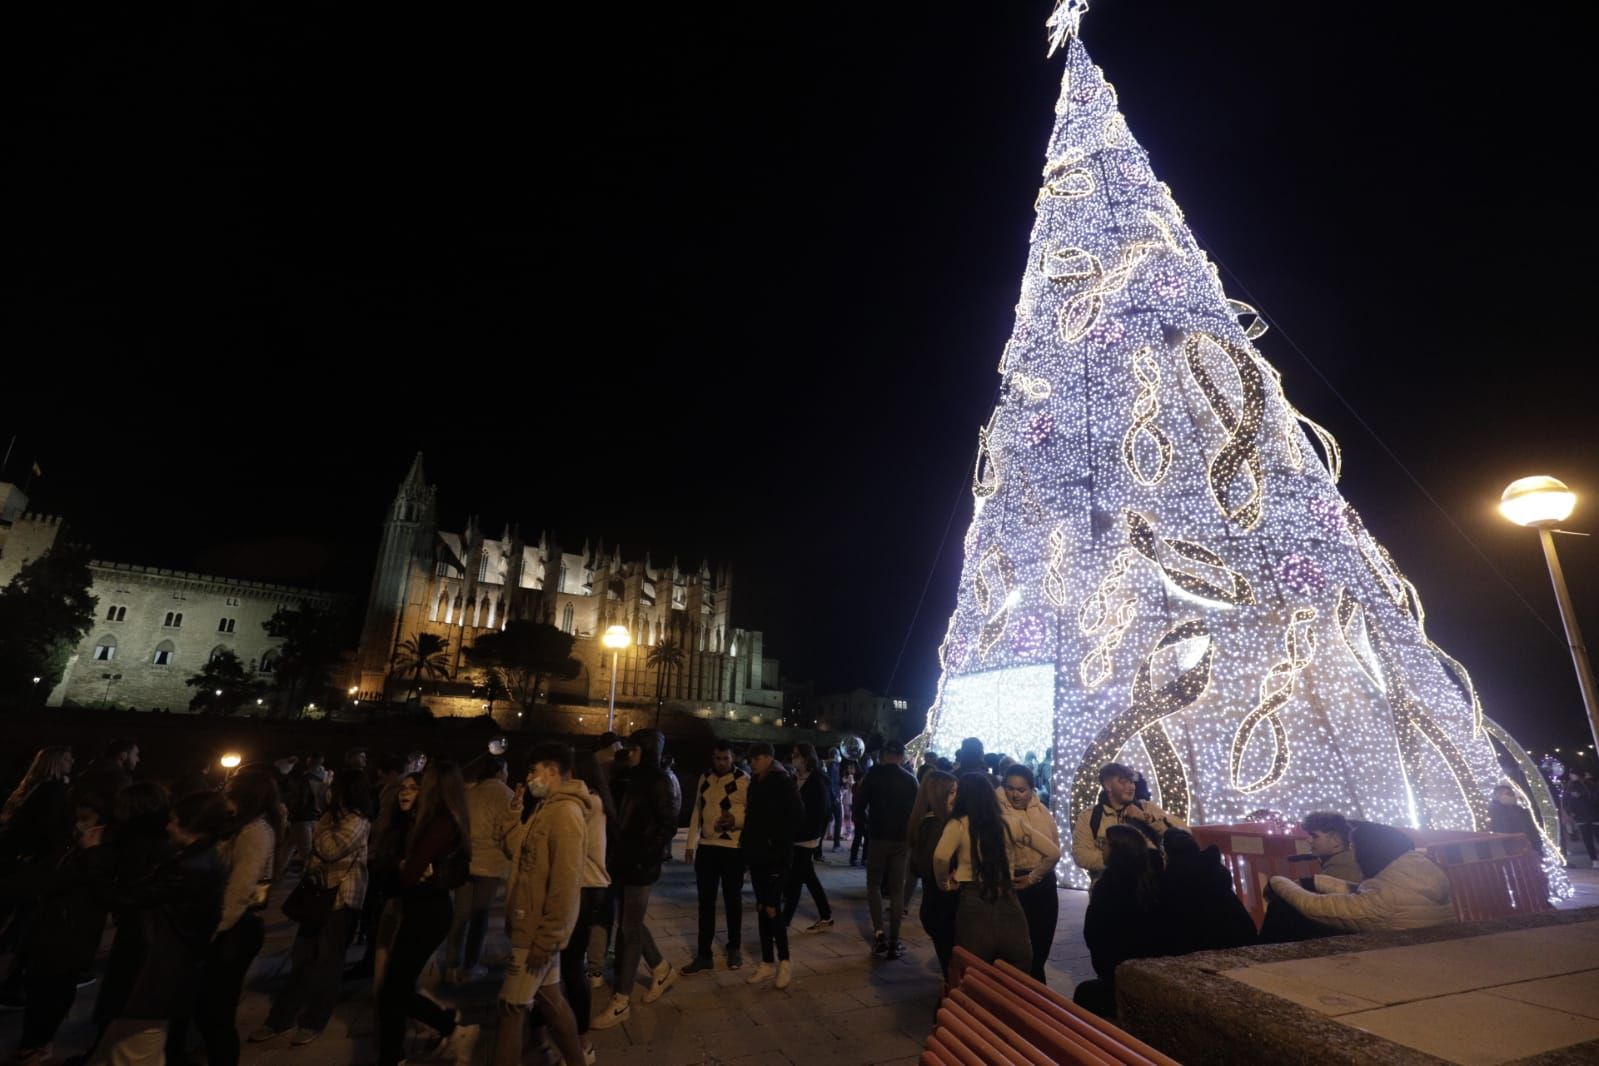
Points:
(547, 858)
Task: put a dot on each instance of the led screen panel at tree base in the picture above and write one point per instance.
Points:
(1160, 569)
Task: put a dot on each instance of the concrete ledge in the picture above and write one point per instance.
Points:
(1183, 1006)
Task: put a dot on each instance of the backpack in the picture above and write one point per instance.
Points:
(1143, 827)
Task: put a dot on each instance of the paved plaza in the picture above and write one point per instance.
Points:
(843, 1008)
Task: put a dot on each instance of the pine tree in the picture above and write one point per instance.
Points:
(45, 611)
(1160, 569)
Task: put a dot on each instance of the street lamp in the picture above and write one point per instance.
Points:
(616, 638)
(1543, 503)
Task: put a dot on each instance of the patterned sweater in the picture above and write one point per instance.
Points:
(715, 795)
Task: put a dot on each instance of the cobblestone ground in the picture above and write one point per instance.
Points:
(844, 1007)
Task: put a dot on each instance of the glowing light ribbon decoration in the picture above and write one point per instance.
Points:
(995, 606)
(1063, 22)
(1276, 688)
(1054, 571)
(1167, 236)
(985, 479)
(1332, 456)
(1237, 591)
(1249, 320)
(1146, 408)
(1072, 185)
(1111, 620)
(1413, 723)
(1548, 815)
(1033, 388)
(1082, 310)
(1240, 453)
(1355, 630)
(1145, 712)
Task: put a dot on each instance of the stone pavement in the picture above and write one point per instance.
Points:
(843, 1008)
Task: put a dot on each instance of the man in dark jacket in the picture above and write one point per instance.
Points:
(772, 817)
(835, 791)
(1505, 815)
(883, 803)
(646, 822)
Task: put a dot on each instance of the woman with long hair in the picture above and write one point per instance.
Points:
(247, 851)
(337, 862)
(1035, 849)
(973, 858)
(437, 860)
(930, 811)
(384, 855)
(1125, 919)
(581, 957)
(814, 794)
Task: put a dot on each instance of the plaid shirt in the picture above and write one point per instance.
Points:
(338, 856)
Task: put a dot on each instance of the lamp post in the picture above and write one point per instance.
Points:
(1543, 503)
(616, 638)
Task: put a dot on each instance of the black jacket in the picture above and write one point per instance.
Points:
(923, 843)
(1201, 910)
(1118, 926)
(773, 813)
(646, 817)
(1514, 818)
(177, 907)
(883, 801)
(818, 808)
(72, 912)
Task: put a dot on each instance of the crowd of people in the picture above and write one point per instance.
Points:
(405, 858)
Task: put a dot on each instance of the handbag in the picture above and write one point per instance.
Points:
(311, 903)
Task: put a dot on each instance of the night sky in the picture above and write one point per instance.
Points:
(732, 282)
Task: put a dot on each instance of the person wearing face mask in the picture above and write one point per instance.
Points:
(542, 904)
(1118, 805)
(1505, 815)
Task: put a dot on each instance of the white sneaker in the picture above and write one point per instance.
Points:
(762, 972)
(614, 1014)
(664, 974)
(785, 973)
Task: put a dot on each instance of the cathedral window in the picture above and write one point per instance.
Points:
(105, 649)
(164, 653)
(566, 619)
(562, 586)
(225, 625)
(483, 567)
(174, 620)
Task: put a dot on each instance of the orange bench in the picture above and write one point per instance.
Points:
(996, 1015)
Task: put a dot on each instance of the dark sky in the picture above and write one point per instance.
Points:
(734, 282)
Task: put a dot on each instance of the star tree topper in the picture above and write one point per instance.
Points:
(1063, 21)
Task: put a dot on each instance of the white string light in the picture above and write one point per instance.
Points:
(1281, 657)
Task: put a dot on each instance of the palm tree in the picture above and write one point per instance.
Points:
(665, 656)
(425, 653)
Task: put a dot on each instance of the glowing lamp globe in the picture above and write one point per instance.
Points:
(616, 638)
(1537, 501)
(231, 760)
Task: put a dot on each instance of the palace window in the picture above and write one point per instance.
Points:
(164, 653)
(105, 649)
(225, 625)
(269, 662)
(174, 620)
(233, 601)
(116, 614)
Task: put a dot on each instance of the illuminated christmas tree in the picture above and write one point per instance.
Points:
(1160, 569)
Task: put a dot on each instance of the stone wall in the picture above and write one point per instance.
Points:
(1183, 1007)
